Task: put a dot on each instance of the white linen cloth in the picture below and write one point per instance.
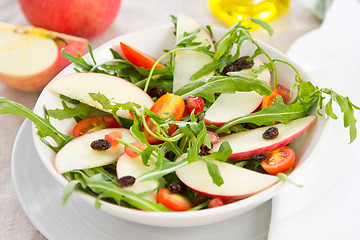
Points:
(327, 206)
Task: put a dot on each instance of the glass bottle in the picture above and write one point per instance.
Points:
(232, 11)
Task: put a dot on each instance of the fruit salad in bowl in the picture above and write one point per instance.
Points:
(180, 126)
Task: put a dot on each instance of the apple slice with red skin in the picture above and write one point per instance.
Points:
(79, 85)
(238, 182)
(78, 154)
(128, 166)
(31, 56)
(249, 143)
(188, 62)
(233, 105)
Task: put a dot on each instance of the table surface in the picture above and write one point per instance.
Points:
(13, 221)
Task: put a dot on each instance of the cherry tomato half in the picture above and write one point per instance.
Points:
(167, 103)
(93, 123)
(279, 160)
(173, 201)
(139, 58)
(280, 90)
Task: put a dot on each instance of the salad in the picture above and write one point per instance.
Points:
(200, 127)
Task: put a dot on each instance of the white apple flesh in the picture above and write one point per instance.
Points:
(78, 154)
(249, 143)
(230, 106)
(30, 57)
(238, 182)
(188, 62)
(79, 85)
(127, 166)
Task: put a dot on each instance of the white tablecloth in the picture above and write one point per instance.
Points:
(133, 15)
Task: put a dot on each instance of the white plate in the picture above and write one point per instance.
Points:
(40, 197)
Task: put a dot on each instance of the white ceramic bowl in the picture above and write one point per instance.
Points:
(154, 42)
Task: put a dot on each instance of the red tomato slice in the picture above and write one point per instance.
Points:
(173, 201)
(110, 121)
(139, 58)
(167, 103)
(279, 161)
(93, 123)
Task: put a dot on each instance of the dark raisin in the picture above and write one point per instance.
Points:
(228, 68)
(203, 152)
(242, 63)
(205, 148)
(100, 145)
(126, 181)
(155, 92)
(200, 199)
(238, 65)
(271, 133)
(179, 188)
(259, 157)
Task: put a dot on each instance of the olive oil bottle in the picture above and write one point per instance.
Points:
(232, 11)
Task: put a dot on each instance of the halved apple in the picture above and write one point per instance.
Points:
(238, 182)
(79, 85)
(127, 166)
(188, 62)
(30, 57)
(230, 106)
(78, 154)
(249, 143)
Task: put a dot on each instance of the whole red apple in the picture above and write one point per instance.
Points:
(83, 18)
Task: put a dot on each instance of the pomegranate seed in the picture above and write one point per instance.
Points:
(214, 138)
(131, 153)
(195, 103)
(216, 202)
(111, 138)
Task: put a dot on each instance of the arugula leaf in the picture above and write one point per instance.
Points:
(233, 39)
(45, 129)
(162, 168)
(78, 61)
(277, 112)
(222, 154)
(213, 170)
(264, 25)
(80, 109)
(347, 108)
(100, 185)
(239, 82)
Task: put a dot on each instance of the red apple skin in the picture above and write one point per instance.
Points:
(227, 197)
(36, 82)
(30, 83)
(209, 123)
(82, 18)
(248, 154)
(72, 45)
